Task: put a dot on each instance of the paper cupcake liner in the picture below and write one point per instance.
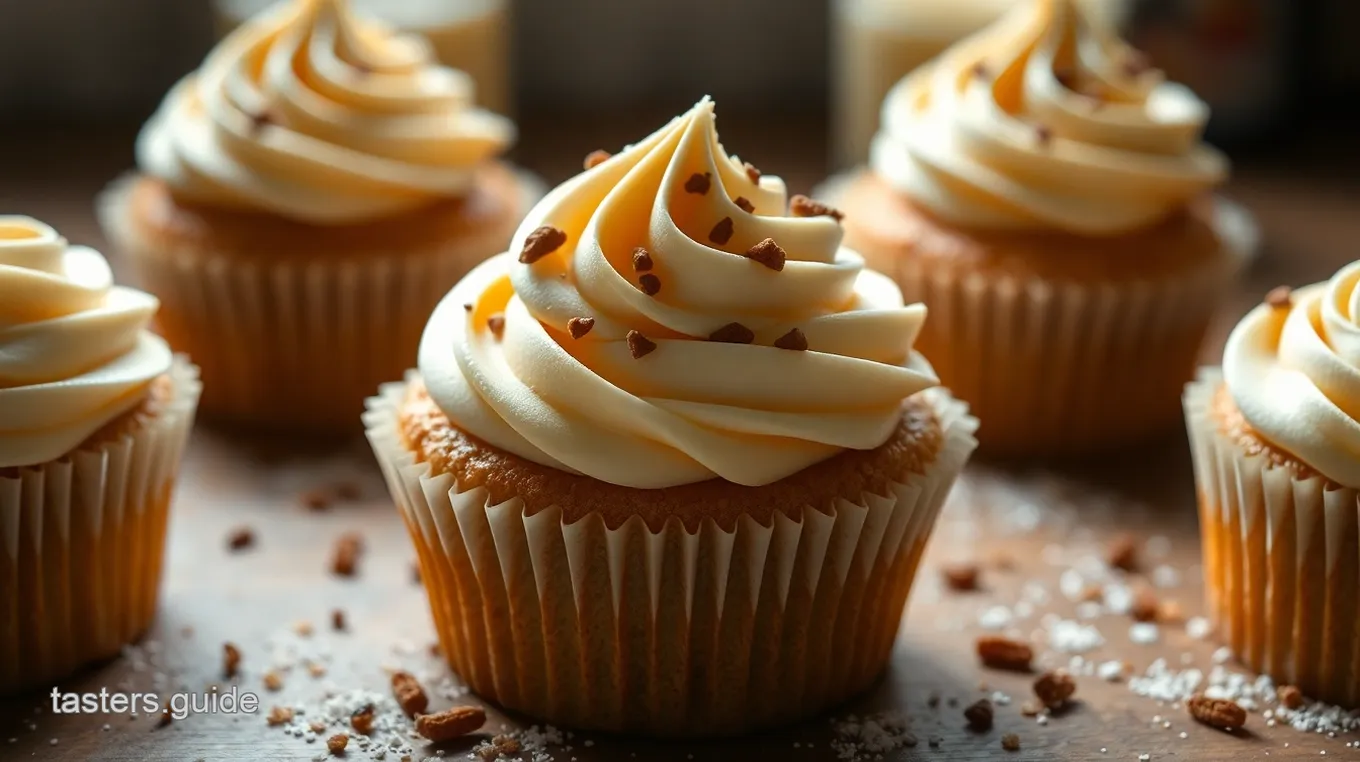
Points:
(707, 632)
(294, 344)
(81, 544)
(1281, 559)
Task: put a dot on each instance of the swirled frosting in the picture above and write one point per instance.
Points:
(1294, 372)
(312, 113)
(74, 352)
(1045, 121)
(645, 395)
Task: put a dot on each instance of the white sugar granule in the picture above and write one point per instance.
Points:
(995, 618)
(1110, 671)
(1144, 633)
(1165, 576)
(1198, 628)
(1072, 637)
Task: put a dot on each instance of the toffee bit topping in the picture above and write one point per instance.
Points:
(999, 652)
(699, 183)
(409, 694)
(980, 71)
(639, 346)
(722, 232)
(1123, 553)
(744, 204)
(1280, 297)
(1223, 714)
(336, 744)
(642, 260)
(338, 620)
(496, 324)
(231, 660)
(362, 720)
(451, 723)
(793, 340)
(752, 173)
(279, 715)
(733, 333)
(1043, 134)
(261, 120)
(241, 538)
(650, 284)
(979, 715)
(962, 577)
(1010, 742)
(596, 158)
(467, 307)
(768, 253)
(802, 206)
(580, 326)
(541, 243)
(345, 556)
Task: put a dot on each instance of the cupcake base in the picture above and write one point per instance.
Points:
(294, 324)
(1281, 552)
(1063, 345)
(660, 612)
(82, 540)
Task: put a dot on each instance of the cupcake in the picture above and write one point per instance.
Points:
(1046, 193)
(1275, 435)
(94, 415)
(670, 462)
(303, 202)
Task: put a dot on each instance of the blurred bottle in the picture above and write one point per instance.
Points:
(471, 35)
(877, 42)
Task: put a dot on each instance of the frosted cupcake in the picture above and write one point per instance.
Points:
(303, 202)
(1275, 435)
(94, 415)
(1046, 193)
(669, 463)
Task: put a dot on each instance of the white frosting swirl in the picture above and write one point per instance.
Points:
(311, 113)
(692, 409)
(1294, 372)
(74, 354)
(1045, 121)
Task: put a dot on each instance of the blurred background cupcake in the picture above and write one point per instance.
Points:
(302, 199)
(1275, 435)
(95, 412)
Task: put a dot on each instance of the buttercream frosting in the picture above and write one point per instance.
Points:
(641, 396)
(1045, 120)
(313, 113)
(1294, 372)
(74, 352)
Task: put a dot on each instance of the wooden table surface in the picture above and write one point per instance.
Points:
(1046, 519)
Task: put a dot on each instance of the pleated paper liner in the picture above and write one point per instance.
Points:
(81, 544)
(672, 633)
(296, 344)
(1281, 559)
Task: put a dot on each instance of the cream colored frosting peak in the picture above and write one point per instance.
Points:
(74, 352)
(1045, 120)
(690, 409)
(312, 113)
(1294, 372)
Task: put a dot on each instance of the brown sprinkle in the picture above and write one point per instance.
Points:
(1216, 713)
(733, 333)
(651, 284)
(1000, 652)
(961, 577)
(580, 326)
(1280, 297)
(1123, 553)
(1290, 696)
(541, 243)
(1043, 134)
(316, 499)
(1054, 688)
(642, 260)
(802, 206)
(639, 346)
(273, 681)
(768, 253)
(451, 723)
(1145, 607)
(231, 660)
(1010, 742)
(348, 548)
(261, 120)
(752, 173)
(980, 71)
(979, 715)
(338, 619)
(408, 693)
(596, 158)
(794, 340)
(699, 183)
(362, 720)
(721, 232)
(336, 744)
(348, 490)
(279, 715)
(744, 204)
(241, 538)
(467, 306)
(496, 324)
